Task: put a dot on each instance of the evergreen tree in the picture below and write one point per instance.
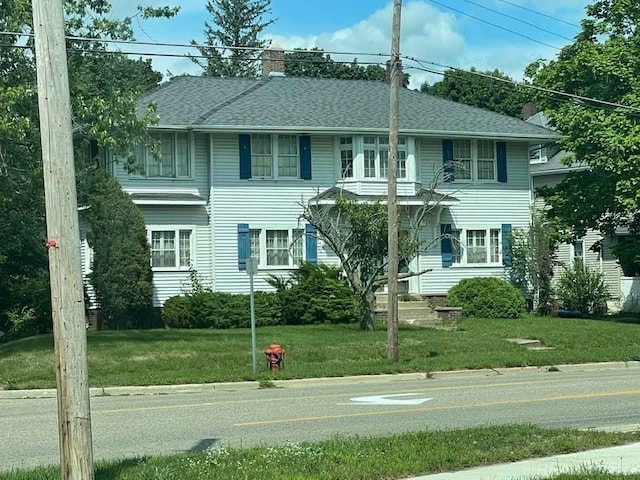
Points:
(235, 23)
(122, 275)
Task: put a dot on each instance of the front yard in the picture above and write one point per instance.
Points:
(147, 357)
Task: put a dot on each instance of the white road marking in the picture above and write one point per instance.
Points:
(391, 399)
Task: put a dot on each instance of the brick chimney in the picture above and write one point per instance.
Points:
(400, 73)
(273, 61)
(529, 109)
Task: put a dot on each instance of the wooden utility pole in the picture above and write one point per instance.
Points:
(392, 205)
(67, 294)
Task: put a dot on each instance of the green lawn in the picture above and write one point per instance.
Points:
(381, 458)
(146, 357)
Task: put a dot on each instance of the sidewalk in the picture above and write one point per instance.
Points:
(622, 459)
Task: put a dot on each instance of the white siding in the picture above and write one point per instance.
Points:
(86, 257)
(481, 205)
(259, 203)
(173, 282)
(199, 184)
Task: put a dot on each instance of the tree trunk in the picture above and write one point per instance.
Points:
(366, 304)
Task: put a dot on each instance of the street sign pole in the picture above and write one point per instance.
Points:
(252, 269)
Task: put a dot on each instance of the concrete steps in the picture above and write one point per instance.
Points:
(418, 312)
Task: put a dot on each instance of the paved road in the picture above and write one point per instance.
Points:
(125, 426)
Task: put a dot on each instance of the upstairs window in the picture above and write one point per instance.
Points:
(463, 159)
(274, 156)
(174, 149)
(376, 157)
(486, 160)
(346, 157)
(538, 154)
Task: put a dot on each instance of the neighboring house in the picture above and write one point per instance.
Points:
(548, 170)
(239, 155)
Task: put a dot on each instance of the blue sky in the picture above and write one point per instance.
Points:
(429, 31)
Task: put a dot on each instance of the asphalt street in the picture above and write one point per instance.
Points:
(197, 418)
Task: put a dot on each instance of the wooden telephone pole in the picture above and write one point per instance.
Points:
(67, 294)
(392, 173)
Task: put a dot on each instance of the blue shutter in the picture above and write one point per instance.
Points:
(311, 243)
(244, 149)
(446, 245)
(501, 148)
(244, 246)
(506, 244)
(305, 157)
(447, 160)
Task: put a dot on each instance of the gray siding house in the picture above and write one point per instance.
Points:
(239, 155)
(548, 170)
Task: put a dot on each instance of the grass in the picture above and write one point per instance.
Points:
(589, 474)
(397, 456)
(155, 357)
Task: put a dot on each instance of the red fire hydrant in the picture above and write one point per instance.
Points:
(275, 356)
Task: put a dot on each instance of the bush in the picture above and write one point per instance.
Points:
(486, 297)
(315, 294)
(583, 290)
(207, 309)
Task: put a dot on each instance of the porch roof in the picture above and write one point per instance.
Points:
(330, 195)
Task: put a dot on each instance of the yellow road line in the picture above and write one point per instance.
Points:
(448, 407)
(350, 394)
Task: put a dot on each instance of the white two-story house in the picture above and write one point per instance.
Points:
(239, 155)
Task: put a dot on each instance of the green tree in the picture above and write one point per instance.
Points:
(235, 23)
(604, 63)
(317, 64)
(121, 271)
(480, 91)
(104, 89)
(532, 254)
(358, 235)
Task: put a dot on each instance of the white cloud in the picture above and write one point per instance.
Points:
(426, 33)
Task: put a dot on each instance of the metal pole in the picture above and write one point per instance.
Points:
(392, 206)
(67, 294)
(253, 324)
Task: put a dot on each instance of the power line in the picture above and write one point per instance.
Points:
(494, 25)
(518, 20)
(531, 10)
(571, 96)
(195, 45)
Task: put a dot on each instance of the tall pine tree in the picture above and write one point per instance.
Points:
(235, 23)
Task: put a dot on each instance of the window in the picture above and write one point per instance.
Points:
(476, 246)
(486, 160)
(577, 251)
(174, 149)
(462, 159)
(346, 157)
(277, 248)
(538, 154)
(376, 157)
(274, 156)
(170, 248)
(475, 160)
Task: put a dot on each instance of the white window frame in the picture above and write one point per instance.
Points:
(275, 173)
(474, 173)
(405, 144)
(459, 246)
(176, 229)
(573, 249)
(292, 232)
(145, 157)
(347, 147)
(538, 154)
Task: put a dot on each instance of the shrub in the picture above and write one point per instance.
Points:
(583, 289)
(486, 297)
(208, 309)
(315, 294)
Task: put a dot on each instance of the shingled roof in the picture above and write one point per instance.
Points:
(316, 104)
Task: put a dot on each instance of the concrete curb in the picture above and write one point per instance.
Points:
(307, 382)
